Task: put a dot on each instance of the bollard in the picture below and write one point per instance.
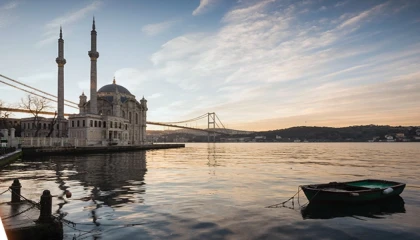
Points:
(15, 191)
(46, 207)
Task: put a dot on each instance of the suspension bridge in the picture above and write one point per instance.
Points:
(213, 124)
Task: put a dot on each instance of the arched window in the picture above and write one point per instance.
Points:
(129, 117)
(137, 118)
(45, 126)
(123, 114)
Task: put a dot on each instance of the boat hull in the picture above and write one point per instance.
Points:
(353, 192)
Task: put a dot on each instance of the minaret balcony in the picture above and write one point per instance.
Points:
(93, 54)
(60, 61)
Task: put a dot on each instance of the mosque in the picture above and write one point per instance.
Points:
(112, 116)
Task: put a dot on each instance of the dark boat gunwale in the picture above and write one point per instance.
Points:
(311, 186)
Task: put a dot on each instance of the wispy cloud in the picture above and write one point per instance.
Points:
(203, 7)
(51, 28)
(364, 15)
(6, 16)
(43, 76)
(266, 61)
(157, 28)
(154, 95)
(10, 5)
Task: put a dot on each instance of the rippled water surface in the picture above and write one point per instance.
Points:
(220, 191)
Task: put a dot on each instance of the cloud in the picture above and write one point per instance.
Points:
(44, 76)
(364, 15)
(52, 27)
(157, 28)
(10, 5)
(267, 61)
(6, 13)
(203, 7)
(154, 95)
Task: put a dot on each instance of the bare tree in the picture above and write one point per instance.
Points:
(53, 122)
(4, 115)
(35, 105)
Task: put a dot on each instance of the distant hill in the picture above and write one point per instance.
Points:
(351, 133)
(312, 134)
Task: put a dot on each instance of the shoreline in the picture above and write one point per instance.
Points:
(48, 151)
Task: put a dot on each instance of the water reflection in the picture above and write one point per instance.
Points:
(370, 210)
(114, 179)
(211, 158)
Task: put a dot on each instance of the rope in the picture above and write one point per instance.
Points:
(28, 200)
(4, 191)
(282, 203)
(68, 223)
(17, 214)
(311, 198)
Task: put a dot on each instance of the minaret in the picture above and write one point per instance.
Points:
(93, 54)
(143, 119)
(60, 60)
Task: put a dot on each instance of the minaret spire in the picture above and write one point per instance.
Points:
(93, 54)
(61, 61)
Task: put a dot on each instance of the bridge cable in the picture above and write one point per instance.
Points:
(36, 94)
(35, 89)
(220, 121)
(189, 120)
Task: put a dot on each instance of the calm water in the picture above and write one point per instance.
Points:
(220, 191)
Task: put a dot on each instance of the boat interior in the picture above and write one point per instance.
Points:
(338, 187)
(368, 184)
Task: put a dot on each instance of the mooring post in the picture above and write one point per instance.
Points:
(46, 207)
(15, 191)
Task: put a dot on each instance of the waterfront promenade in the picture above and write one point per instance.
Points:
(40, 151)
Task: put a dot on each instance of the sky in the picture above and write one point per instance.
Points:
(259, 64)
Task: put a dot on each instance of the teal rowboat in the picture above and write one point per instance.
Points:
(353, 192)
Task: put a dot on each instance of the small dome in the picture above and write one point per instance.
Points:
(111, 88)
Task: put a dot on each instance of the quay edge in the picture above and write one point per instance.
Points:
(43, 151)
(10, 158)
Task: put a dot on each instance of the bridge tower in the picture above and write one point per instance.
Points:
(211, 122)
(94, 55)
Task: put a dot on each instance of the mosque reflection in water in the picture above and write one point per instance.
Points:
(114, 179)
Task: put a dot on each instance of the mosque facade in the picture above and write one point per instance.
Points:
(111, 116)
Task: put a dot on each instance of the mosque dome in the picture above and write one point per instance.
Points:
(112, 88)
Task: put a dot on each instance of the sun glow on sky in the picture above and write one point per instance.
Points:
(259, 64)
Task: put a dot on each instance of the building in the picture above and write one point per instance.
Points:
(112, 116)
